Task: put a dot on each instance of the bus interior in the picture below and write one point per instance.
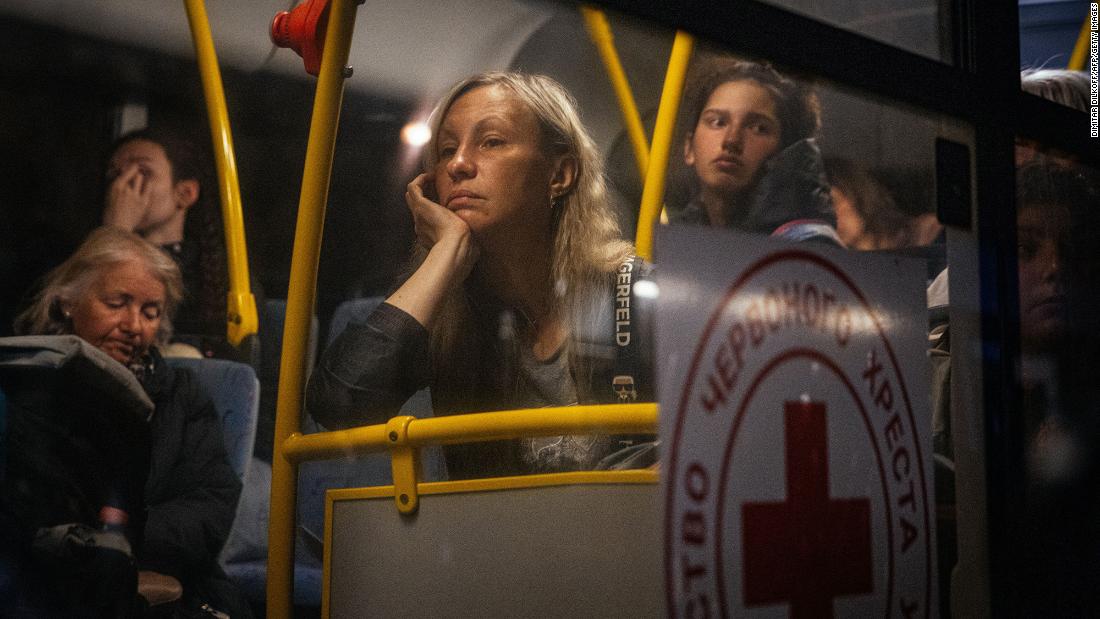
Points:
(921, 99)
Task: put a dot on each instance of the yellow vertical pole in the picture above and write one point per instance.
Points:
(300, 301)
(1081, 48)
(241, 313)
(599, 30)
(654, 189)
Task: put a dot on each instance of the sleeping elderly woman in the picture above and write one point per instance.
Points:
(510, 302)
(118, 293)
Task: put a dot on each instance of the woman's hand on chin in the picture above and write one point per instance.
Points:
(436, 225)
(452, 253)
(432, 221)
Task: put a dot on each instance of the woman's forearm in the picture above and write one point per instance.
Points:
(447, 266)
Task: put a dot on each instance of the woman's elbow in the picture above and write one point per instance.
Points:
(325, 405)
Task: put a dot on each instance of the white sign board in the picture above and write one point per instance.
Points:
(794, 392)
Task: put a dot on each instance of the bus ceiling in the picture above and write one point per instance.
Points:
(388, 47)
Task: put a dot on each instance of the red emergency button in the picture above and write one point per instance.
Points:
(302, 29)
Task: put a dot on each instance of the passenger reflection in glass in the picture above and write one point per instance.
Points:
(512, 298)
(750, 145)
(1057, 270)
(871, 215)
(1057, 262)
(1055, 242)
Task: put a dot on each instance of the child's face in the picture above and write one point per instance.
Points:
(1042, 230)
(738, 130)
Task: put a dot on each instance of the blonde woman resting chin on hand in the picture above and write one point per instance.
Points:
(511, 297)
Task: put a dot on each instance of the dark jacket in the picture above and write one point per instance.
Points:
(191, 492)
(88, 437)
(790, 201)
(372, 368)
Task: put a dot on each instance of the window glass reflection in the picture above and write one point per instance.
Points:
(762, 150)
(1059, 310)
(758, 149)
(918, 26)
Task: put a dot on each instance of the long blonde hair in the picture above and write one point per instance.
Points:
(68, 283)
(587, 242)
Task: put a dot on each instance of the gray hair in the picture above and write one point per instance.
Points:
(1070, 88)
(104, 248)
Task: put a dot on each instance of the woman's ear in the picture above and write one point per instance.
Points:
(689, 155)
(64, 309)
(186, 193)
(565, 175)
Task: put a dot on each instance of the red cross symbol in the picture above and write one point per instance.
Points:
(811, 548)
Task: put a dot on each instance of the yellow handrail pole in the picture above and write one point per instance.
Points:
(300, 301)
(604, 419)
(599, 30)
(1081, 48)
(638, 418)
(242, 320)
(654, 189)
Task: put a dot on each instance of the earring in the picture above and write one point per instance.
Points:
(67, 314)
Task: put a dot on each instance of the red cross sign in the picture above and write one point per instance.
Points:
(796, 475)
(810, 548)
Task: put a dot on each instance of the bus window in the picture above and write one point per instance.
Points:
(775, 154)
(864, 167)
(759, 150)
(920, 27)
(1056, 516)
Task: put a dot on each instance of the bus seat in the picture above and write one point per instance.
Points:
(244, 557)
(510, 547)
(272, 321)
(235, 391)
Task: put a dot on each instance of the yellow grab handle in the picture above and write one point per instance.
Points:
(654, 189)
(599, 30)
(300, 301)
(242, 319)
(1081, 48)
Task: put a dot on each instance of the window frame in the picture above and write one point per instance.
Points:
(980, 87)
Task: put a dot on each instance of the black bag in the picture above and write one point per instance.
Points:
(76, 439)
